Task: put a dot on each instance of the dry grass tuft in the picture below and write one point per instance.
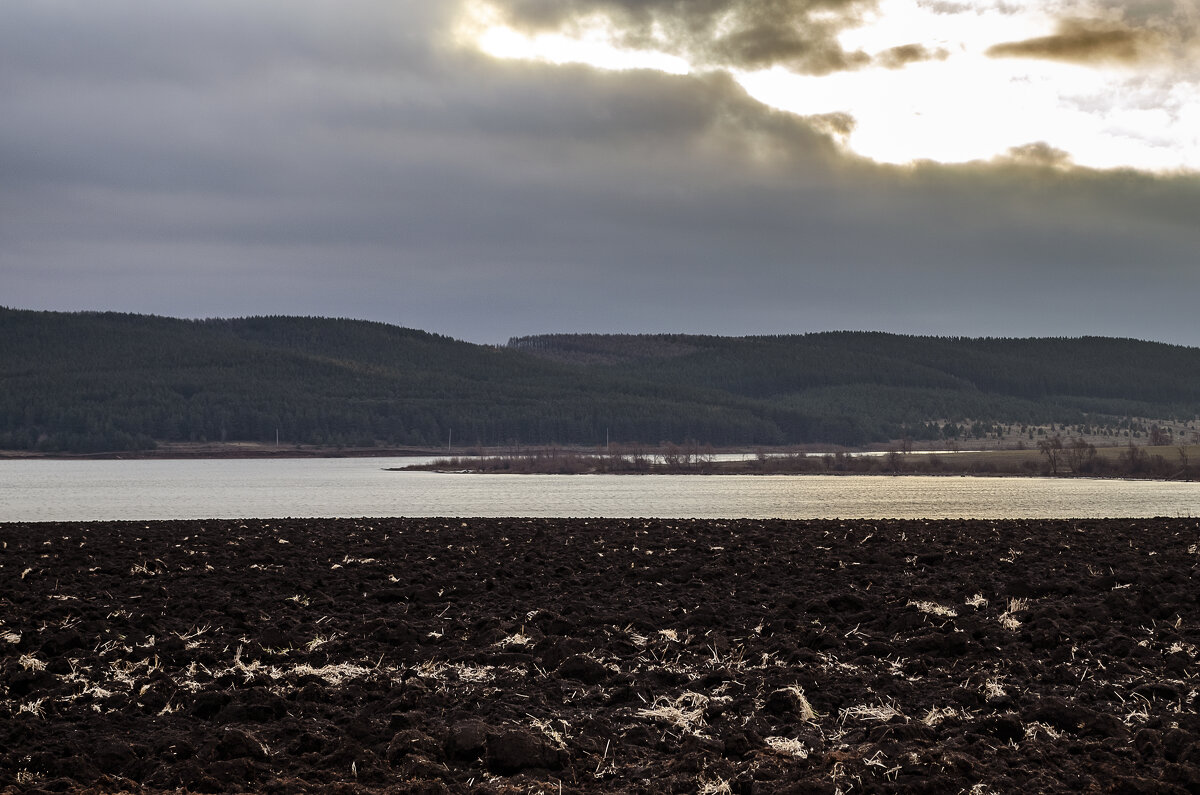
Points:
(686, 712)
(148, 568)
(516, 639)
(716, 786)
(786, 745)
(317, 642)
(25, 777)
(31, 663)
(877, 712)
(1007, 619)
(34, 708)
(807, 713)
(559, 738)
(333, 674)
(936, 715)
(993, 689)
(1033, 728)
(934, 609)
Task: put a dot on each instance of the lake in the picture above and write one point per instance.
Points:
(46, 490)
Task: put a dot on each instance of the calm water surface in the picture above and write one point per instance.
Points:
(347, 487)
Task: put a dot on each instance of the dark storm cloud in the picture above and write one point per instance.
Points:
(347, 159)
(1085, 41)
(799, 34)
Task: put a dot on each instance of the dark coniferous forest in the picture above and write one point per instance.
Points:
(93, 382)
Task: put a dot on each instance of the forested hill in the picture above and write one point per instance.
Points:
(1154, 374)
(105, 381)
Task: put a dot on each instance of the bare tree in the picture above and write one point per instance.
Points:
(1134, 458)
(1080, 455)
(673, 456)
(1052, 447)
(1159, 436)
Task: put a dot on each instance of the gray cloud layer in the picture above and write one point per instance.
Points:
(898, 57)
(1084, 41)
(216, 158)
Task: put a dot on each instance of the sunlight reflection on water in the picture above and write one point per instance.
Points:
(39, 490)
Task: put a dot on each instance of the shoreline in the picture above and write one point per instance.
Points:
(981, 475)
(232, 450)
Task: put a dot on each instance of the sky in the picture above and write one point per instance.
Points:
(493, 168)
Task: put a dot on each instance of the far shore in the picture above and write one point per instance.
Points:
(1128, 462)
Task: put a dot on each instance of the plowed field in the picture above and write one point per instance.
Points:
(600, 656)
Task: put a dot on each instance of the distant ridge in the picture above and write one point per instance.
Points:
(97, 381)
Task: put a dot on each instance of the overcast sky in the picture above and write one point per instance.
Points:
(485, 170)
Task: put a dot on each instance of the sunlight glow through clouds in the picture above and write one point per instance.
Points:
(593, 43)
(953, 104)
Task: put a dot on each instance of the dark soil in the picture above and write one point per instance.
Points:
(602, 655)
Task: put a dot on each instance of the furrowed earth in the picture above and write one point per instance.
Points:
(571, 655)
